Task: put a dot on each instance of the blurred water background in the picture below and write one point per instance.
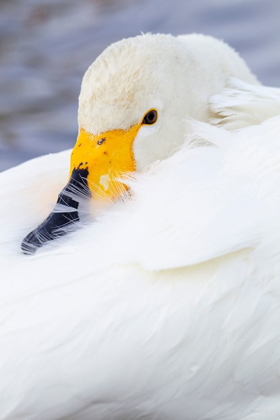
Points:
(46, 46)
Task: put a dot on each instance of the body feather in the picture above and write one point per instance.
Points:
(165, 306)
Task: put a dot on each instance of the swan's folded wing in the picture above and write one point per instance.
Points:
(205, 202)
(242, 104)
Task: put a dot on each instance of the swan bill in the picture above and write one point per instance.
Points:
(97, 164)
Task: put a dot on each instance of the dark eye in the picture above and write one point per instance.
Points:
(150, 117)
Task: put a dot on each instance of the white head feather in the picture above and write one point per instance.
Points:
(175, 75)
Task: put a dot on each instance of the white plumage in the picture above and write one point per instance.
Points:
(242, 104)
(166, 306)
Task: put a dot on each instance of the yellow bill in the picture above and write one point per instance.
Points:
(97, 164)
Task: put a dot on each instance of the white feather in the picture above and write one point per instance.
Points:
(242, 104)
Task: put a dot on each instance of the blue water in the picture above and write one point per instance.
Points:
(46, 46)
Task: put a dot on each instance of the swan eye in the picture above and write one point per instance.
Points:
(150, 117)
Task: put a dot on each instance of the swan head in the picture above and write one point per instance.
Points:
(132, 108)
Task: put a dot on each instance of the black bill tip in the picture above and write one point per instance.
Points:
(53, 227)
(58, 223)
